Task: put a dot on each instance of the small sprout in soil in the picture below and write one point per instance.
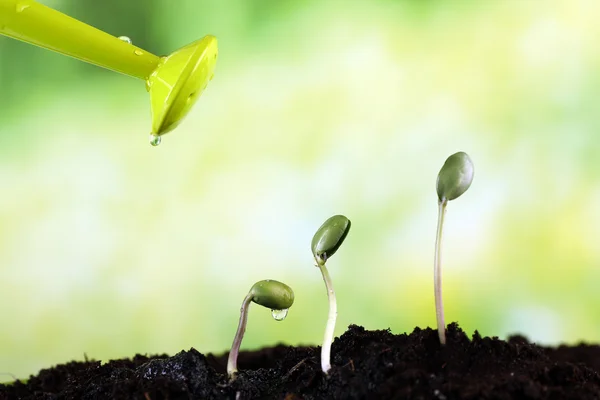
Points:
(15, 379)
(454, 179)
(275, 295)
(325, 243)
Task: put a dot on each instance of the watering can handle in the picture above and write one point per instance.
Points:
(34, 23)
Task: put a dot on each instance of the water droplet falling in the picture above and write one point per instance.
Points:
(154, 140)
(125, 39)
(279, 315)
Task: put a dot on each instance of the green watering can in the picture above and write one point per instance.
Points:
(175, 82)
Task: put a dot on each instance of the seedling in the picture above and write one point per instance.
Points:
(454, 179)
(275, 295)
(325, 243)
(15, 379)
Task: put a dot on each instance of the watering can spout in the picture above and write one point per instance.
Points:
(178, 80)
(174, 81)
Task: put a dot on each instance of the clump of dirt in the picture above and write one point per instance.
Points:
(366, 365)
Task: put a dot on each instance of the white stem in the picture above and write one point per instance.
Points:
(239, 335)
(437, 273)
(330, 327)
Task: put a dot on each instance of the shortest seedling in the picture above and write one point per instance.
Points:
(327, 240)
(275, 295)
(454, 179)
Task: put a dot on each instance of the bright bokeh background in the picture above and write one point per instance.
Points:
(110, 247)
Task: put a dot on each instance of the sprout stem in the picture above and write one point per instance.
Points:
(330, 327)
(237, 340)
(437, 273)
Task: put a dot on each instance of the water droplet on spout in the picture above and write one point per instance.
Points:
(22, 6)
(155, 140)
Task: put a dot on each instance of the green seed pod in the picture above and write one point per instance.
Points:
(455, 177)
(272, 294)
(329, 237)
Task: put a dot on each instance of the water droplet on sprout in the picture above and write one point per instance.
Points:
(125, 39)
(154, 140)
(279, 315)
(137, 52)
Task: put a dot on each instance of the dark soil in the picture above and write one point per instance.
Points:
(366, 365)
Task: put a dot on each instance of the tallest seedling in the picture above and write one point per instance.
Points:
(454, 179)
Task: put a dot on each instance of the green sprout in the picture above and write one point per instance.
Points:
(325, 243)
(275, 295)
(454, 179)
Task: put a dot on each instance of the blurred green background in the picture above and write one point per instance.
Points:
(110, 247)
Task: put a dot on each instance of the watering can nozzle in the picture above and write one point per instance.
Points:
(178, 81)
